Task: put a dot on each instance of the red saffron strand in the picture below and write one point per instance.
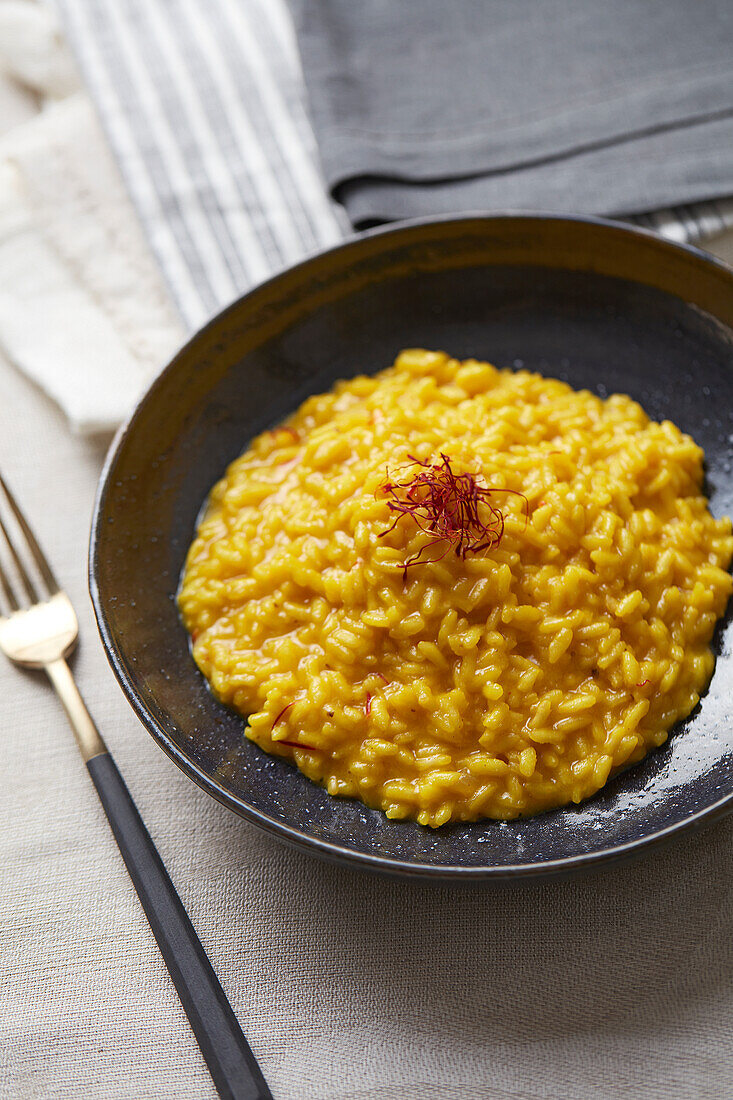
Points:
(368, 705)
(280, 715)
(445, 506)
(382, 677)
(298, 745)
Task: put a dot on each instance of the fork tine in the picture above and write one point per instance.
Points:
(7, 590)
(37, 554)
(22, 571)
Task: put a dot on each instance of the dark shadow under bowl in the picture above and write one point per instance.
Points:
(599, 305)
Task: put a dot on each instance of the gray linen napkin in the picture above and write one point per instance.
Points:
(204, 105)
(602, 106)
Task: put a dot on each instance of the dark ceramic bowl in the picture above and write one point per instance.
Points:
(600, 305)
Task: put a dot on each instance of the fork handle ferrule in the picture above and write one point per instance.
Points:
(88, 737)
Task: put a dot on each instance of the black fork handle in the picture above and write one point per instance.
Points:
(231, 1063)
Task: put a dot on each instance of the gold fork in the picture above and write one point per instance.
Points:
(39, 629)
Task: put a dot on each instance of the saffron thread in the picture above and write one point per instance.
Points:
(445, 506)
(282, 712)
(298, 745)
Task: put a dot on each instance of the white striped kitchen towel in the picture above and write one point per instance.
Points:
(204, 105)
(205, 109)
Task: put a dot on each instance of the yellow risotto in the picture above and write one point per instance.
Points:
(440, 680)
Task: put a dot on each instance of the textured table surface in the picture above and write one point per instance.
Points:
(348, 986)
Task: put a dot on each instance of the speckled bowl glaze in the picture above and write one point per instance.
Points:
(600, 305)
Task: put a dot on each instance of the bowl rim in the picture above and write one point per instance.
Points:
(298, 838)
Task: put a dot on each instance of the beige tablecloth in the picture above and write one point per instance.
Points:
(348, 986)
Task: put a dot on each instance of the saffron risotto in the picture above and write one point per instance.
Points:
(496, 684)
